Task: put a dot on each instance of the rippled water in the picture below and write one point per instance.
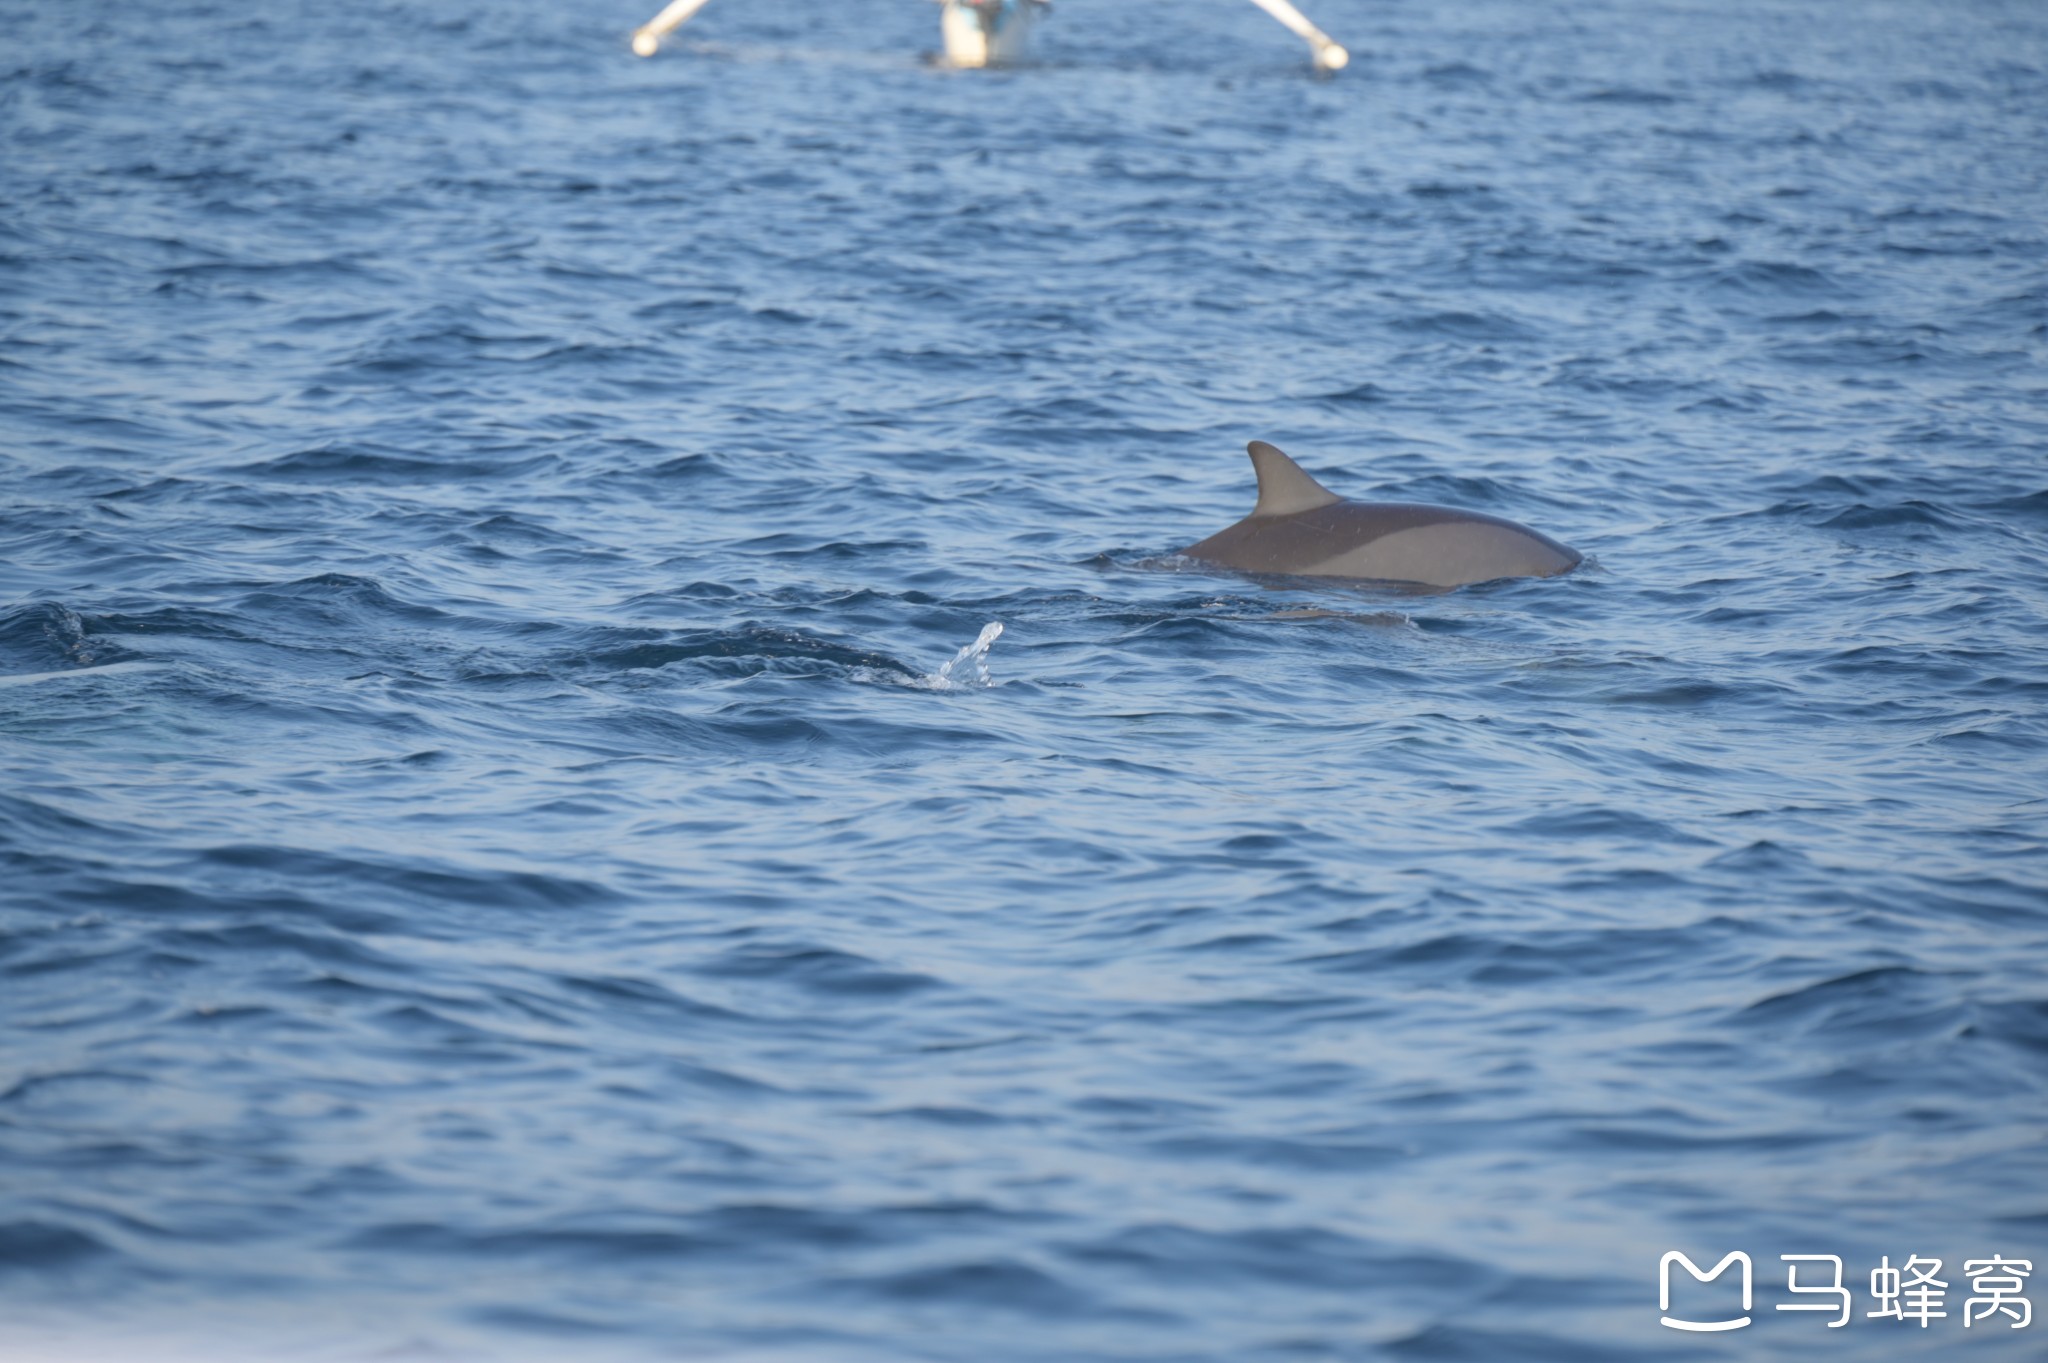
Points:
(494, 867)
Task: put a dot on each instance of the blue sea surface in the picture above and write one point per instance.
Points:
(508, 850)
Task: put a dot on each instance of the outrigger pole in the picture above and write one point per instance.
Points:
(647, 38)
(1329, 53)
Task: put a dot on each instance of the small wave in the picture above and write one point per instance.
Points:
(1774, 279)
(746, 650)
(1630, 95)
(76, 673)
(1002, 1284)
(1465, 326)
(39, 1245)
(2032, 506)
(601, 1244)
(1896, 1000)
(47, 637)
(383, 466)
(1457, 73)
(545, 1324)
(2022, 1023)
(819, 970)
(1778, 80)
(1913, 513)
(1363, 394)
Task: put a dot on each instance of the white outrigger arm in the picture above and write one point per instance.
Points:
(976, 32)
(647, 38)
(1329, 53)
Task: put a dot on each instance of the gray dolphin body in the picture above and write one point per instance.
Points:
(1302, 528)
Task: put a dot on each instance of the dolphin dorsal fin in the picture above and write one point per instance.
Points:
(1284, 486)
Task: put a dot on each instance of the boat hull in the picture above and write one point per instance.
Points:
(988, 34)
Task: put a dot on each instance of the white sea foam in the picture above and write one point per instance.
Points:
(68, 673)
(975, 653)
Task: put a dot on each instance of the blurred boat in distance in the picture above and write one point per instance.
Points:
(989, 32)
(979, 33)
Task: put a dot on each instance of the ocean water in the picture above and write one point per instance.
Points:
(510, 851)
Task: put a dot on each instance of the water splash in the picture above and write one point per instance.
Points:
(976, 653)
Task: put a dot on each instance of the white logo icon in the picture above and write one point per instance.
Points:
(1664, 1289)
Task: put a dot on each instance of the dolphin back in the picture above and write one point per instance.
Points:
(1309, 531)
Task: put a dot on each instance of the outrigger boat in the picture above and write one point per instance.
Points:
(981, 33)
(989, 32)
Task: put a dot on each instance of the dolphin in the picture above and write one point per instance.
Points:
(1300, 527)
